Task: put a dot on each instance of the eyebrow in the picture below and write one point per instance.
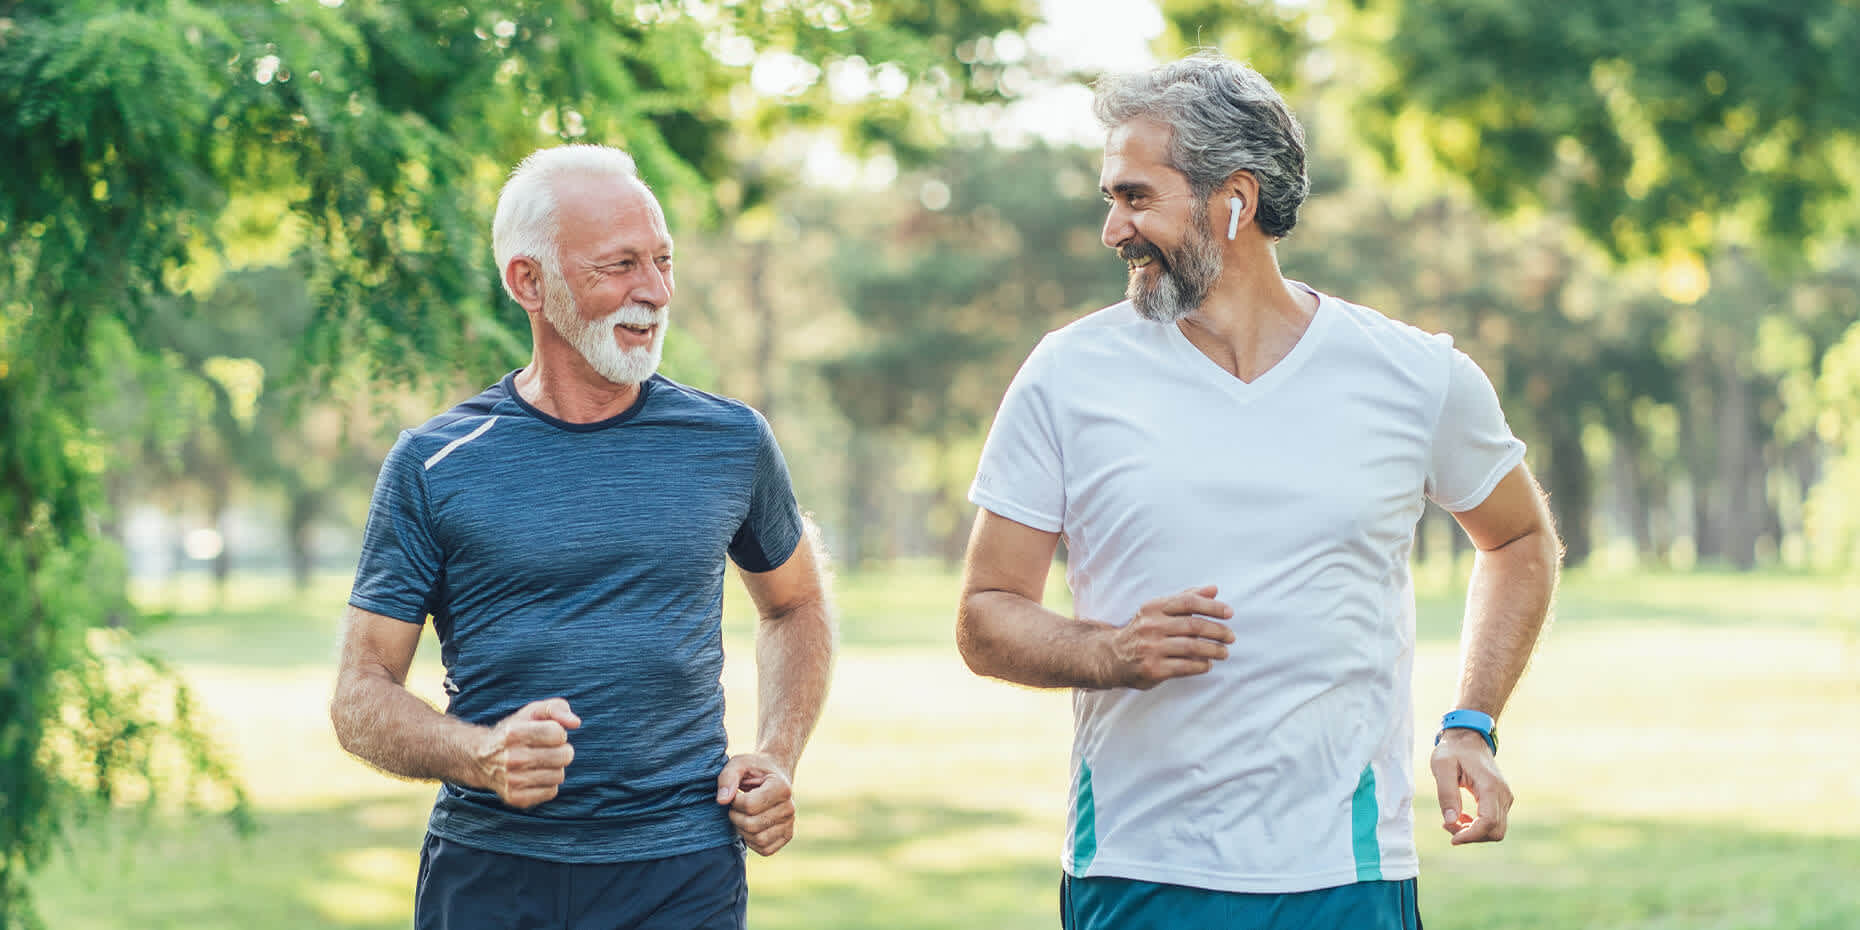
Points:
(626, 252)
(1124, 187)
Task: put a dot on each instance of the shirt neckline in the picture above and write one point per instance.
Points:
(1268, 380)
(509, 383)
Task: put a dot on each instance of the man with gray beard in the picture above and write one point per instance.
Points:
(567, 530)
(1237, 463)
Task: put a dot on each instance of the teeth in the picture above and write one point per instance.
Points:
(1140, 262)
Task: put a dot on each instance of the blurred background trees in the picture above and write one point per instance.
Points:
(245, 243)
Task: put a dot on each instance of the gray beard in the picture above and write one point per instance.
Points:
(594, 339)
(1183, 284)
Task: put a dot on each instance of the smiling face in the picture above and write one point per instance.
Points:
(1156, 224)
(610, 296)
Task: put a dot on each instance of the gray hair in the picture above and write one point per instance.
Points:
(1224, 117)
(526, 223)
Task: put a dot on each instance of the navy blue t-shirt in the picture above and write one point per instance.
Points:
(585, 561)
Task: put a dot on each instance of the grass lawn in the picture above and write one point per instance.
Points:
(1685, 751)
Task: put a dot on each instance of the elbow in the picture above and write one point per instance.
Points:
(971, 637)
(342, 707)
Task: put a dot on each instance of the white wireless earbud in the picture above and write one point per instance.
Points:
(1234, 206)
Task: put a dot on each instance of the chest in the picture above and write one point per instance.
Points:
(574, 509)
(1327, 458)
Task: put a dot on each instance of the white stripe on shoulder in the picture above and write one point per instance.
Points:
(440, 456)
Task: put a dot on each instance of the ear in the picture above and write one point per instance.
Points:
(523, 276)
(1241, 184)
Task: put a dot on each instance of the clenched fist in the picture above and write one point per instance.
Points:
(525, 757)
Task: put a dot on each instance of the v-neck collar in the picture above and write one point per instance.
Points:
(1268, 380)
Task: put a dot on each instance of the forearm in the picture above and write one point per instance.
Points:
(379, 721)
(794, 665)
(1507, 602)
(1008, 636)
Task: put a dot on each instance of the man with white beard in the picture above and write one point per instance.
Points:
(1237, 463)
(567, 530)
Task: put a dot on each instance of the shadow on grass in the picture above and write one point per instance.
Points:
(868, 862)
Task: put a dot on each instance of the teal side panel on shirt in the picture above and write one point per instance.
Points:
(1085, 825)
(1363, 819)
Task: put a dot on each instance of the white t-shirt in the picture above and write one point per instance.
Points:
(1288, 767)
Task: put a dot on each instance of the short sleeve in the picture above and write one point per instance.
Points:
(401, 559)
(1021, 475)
(1473, 448)
(772, 528)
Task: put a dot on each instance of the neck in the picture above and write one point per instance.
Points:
(568, 389)
(1253, 316)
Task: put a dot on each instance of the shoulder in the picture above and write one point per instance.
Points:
(1119, 319)
(462, 423)
(1093, 338)
(1390, 334)
(672, 400)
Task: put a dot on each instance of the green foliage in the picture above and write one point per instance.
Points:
(950, 289)
(146, 142)
(953, 297)
(1834, 508)
(1660, 128)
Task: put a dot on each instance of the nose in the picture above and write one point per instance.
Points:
(1117, 227)
(655, 290)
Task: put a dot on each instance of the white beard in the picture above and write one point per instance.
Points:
(594, 339)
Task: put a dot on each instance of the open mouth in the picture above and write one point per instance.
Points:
(1139, 256)
(638, 329)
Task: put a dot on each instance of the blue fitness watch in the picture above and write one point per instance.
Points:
(1476, 721)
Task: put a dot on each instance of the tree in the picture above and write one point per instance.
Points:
(381, 129)
(1664, 128)
(995, 248)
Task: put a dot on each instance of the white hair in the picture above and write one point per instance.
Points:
(526, 222)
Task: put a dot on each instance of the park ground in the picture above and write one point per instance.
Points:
(1685, 751)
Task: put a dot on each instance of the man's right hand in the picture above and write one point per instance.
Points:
(526, 755)
(1171, 637)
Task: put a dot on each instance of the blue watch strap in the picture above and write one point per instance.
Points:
(1477, 721)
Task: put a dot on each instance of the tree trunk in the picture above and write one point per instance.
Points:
(1571, 485)
(1738, 460)
(220, 501)
(303, 507)
(862, 468)
(1699, 451)
(1628, 473)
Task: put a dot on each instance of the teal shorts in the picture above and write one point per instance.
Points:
(1126, 904)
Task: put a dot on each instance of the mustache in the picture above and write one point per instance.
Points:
(635, 315)
(1134, 251)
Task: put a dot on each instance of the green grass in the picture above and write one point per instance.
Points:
(1685, 751)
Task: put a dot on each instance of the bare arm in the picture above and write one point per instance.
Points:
(380, 721)
(794, 651)
(794, 665)
(1514, 576)
(1003, 631)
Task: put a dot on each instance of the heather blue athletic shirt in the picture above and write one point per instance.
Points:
(585, 561)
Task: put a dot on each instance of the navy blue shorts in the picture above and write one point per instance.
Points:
(464, 888)
(1126, 904)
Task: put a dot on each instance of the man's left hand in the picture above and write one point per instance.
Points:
(761, 800)
(1463, 760)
